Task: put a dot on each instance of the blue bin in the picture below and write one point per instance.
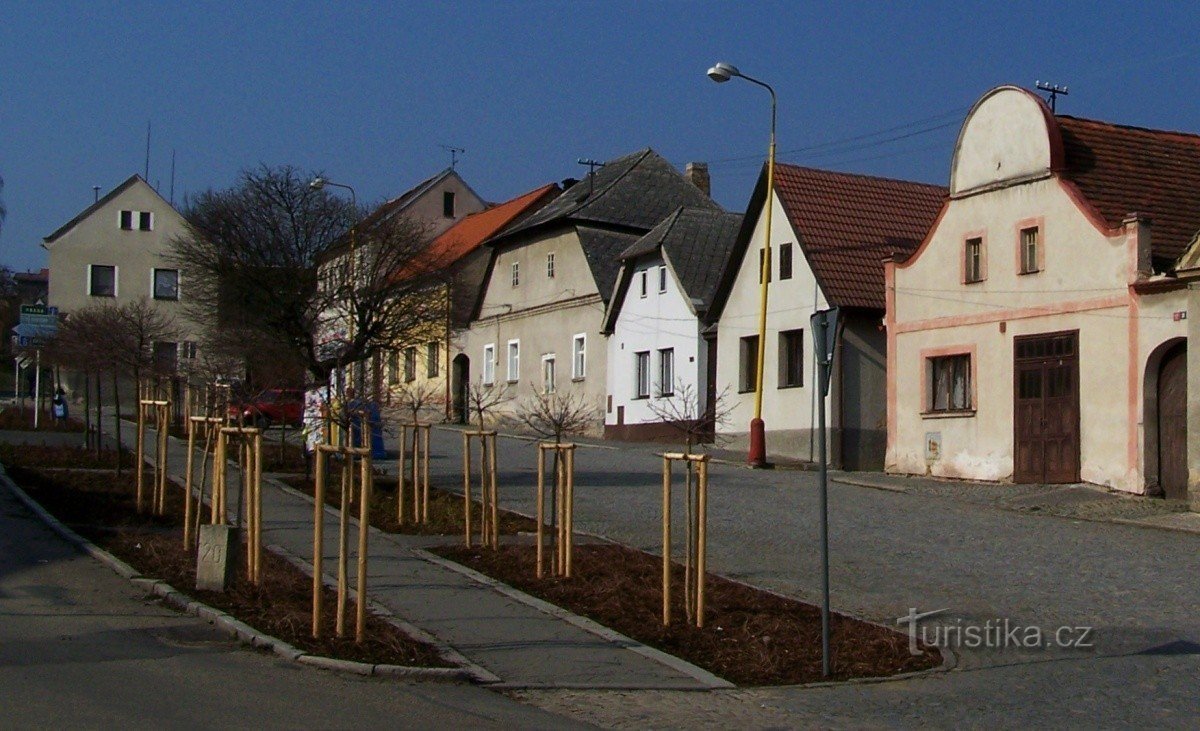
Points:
(374, 424)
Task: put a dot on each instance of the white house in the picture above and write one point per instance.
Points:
(829, 236)
(661, 351)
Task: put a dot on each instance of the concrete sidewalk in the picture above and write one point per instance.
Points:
(523, 642)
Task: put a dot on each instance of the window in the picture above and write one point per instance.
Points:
(791, 358)
(1029, 250)
(393, 366)
(950, 383)
(666, 372)
(102, 280)
(643, 278)
(431, 359)
(166, 357)
(145, 220)
(410, 363)
(166, 284)
(126, 220)
(550, 266)
(448, 204)
(489, 364)
(514, 361)
(516, 273)
(187, 350)
(662, 280)
(785, 261)
(973, 261)
(642, 373)
(747, 363)
(548, 374)
(764, 263)
(579, 356)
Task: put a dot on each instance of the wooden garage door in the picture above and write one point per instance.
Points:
(1046, 408)
(1172, 424)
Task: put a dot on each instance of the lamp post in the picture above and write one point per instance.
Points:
(319, 183)
(721, 73)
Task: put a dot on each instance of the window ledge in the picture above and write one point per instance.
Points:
(579, 379)
(641, 398)
(974, 281)
(512, 381)
(746, 390)
(790, 385)
(1031, 271)
(956, 414)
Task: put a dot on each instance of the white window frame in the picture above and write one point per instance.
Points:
(550, 265)
(666, 372)
(150, 215)
(87, 285)
(513, 371)
(489, 364)
(641, 374)
(187, 350)
(548, 374)
(643, 275)
(154, 280)
(579, 356)
(516, 273)
(662, 279)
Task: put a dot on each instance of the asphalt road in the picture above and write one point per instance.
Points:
(81, 647)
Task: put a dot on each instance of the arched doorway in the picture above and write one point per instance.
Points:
(1172, 423)
(460, 381)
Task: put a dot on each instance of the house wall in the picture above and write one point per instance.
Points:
(1083, 285)
(790, 412)
(99, 239)
(859, 389)
(543, 313)
(652, 323)
(427, 209)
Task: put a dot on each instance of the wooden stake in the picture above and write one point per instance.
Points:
(666, 541)
(495, 492)
(400, 475)
(318, 539)
(258, 441)
(364, 527)
(141, 449)
(425, 478)
(701, 540)
(570, 501)
(187, 487)
(416, 488)
(467, 488)
(541, 509)
(484, 493)
(344, 543)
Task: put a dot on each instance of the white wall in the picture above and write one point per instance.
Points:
(652, 323)
(790, 412)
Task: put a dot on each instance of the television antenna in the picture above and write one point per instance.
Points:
(1053, 89)
(454, 153)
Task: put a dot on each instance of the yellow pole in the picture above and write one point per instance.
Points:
(318, 538)
(364, 527)
(702, 540)
(666, 541)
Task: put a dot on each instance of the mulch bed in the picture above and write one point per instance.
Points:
(751, 637)
(445, 509)
(62, 457)
(17, 419)
(101, 508)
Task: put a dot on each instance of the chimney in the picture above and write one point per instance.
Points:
(696, 173)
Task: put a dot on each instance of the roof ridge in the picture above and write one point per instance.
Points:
(864, 176)
(641, 155)
(1191, 136)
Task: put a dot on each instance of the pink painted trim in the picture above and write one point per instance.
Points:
(1024, 313)
(1133, 380)
(1038, 222)
(967, 349)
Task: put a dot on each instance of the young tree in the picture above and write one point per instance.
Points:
(294, 269)
(555, 415)
(483, 400)
(683, 412)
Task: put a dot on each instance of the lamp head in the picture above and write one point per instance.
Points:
(317, 183)
(723, 72)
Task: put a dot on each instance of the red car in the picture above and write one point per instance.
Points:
(272, 406)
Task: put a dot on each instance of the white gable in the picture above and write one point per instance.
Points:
(1005, 138)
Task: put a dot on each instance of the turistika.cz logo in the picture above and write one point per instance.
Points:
(994, 634)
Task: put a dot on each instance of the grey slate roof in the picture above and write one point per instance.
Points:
(636, 191)
(697, 242)
(603, 250)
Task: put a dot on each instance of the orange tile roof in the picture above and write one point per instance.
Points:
(465, 236)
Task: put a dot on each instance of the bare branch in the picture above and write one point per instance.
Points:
(556, 415)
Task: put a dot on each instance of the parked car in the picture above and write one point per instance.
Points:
(272, 406)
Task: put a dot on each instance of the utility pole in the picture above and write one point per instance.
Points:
(1054, 90)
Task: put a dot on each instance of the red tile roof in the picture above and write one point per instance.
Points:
(848, 224)
(465, 236)
(1122, 170)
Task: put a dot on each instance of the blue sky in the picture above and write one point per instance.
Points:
(368, 92)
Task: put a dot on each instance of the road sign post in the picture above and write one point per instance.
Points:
(824, 327)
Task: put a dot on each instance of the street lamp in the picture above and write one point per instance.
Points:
(721, 73)
(319, 183)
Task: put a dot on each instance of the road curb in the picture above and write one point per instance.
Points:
(244, 633)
